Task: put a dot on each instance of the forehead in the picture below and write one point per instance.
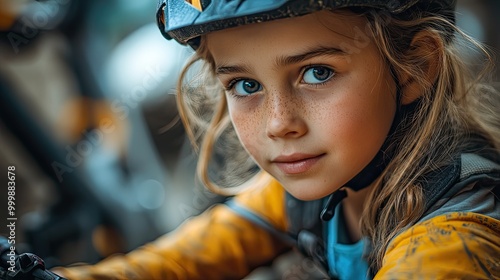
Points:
(337, 29)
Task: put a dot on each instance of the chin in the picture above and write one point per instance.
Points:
(308, 193)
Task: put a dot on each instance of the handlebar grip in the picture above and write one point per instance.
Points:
(26, 266)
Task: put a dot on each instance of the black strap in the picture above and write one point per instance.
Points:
(334, 200)
(439, 182)
(305, 225)
(258, 220)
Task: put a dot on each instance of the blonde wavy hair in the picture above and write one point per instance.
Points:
(459, 105)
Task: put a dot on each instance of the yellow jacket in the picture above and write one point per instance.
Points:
(219, 244)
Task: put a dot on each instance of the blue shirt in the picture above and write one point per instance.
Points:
(344, 260)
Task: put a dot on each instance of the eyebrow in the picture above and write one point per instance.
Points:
(317, 51)
(284, 60)
(231, 69)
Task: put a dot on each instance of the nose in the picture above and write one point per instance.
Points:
(285, 117)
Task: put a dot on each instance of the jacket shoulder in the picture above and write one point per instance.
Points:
(454, 245)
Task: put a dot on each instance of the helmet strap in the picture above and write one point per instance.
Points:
(366, 176)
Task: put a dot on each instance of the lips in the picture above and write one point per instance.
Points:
(296, 163)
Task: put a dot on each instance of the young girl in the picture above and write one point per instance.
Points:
(378, 151)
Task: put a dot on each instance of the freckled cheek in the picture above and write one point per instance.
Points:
(247, 129)
(360, 130)
(342, 126)
(348, 122)
(355, 119)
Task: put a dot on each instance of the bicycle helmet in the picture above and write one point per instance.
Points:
(186, 20)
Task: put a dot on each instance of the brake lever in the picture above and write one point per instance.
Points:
(29, 267)
(26, 266)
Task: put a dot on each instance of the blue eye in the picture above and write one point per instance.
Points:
(317, 75)
(246, 87)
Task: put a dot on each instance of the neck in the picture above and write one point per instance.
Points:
(353, 206)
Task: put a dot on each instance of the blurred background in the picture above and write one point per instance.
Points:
(88, 119)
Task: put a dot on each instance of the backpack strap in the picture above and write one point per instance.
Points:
(258, 220)
(307, 227)
(467, 168)
(474, 164)
(438, 182)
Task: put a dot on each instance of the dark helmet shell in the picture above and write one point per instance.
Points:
(180, 20)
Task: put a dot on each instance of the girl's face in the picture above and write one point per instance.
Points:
(310, 97)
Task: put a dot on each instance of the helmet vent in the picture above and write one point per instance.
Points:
(200, 5)
(196, 4)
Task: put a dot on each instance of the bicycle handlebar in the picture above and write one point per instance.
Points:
(26, 266)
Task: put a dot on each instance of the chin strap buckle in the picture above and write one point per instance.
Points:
(334, 199)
